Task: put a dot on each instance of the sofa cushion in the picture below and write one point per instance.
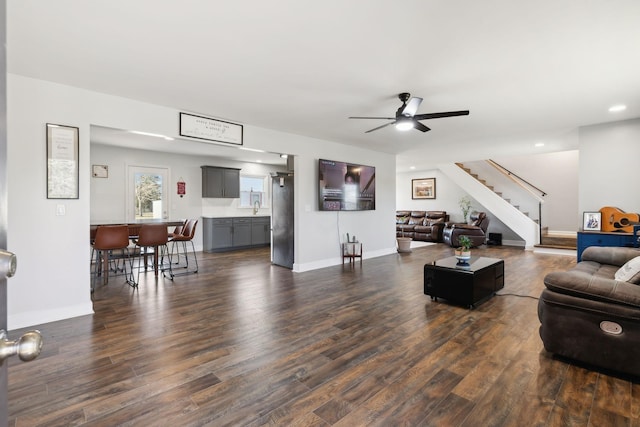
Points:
(436, 214)
(433, 221)
(617, 256)
(593, 287)
(402, 219)
(630, 272)
(415, 221)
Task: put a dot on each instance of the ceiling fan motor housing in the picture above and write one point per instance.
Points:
(404, 96)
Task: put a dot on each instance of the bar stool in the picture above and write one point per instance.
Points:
(112, 243)
(152, 239)
(188, 231)
(177, 230)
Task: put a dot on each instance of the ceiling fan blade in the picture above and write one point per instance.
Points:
(377, 118)
(380, 127)
(421, 127)
(412, 107)
(440, 115)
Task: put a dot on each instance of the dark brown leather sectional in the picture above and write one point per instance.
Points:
(426, 226)
(588, 316)
(476, 230)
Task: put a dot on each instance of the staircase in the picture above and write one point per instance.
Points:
(557, 243)
(510, 215)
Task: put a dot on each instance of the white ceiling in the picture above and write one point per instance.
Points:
(529, 71)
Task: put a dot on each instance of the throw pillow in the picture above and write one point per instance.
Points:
(630, 272)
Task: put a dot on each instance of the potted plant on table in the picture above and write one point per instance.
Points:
(463, 252)
(404, 243)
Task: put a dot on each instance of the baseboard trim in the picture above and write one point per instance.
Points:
(555, 251)
(32, 318)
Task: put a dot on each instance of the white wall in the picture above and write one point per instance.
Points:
(606, 164)
(557, 175)
(609, 157)
(52, 282)
(448, 194)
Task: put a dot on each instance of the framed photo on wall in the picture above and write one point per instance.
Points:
(591, 221)
(62, 162)
(423, 188)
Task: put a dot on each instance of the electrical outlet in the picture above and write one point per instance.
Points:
(61, 210)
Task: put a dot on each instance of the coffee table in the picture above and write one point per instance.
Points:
(465, 284)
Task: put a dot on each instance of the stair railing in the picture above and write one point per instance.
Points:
(536, 192)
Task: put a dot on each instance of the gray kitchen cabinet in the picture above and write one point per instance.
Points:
(241, 232)
(219, 182)
(261, 230)
(218, 233)
(229, 233)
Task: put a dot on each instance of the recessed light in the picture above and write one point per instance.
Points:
(539, 144)
(617, 108)
(251, 149)
(156, 135)
(412, 167)
(258, 161)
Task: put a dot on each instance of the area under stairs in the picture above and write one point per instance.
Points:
(510, 215)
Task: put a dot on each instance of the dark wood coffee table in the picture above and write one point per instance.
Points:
(466, 285)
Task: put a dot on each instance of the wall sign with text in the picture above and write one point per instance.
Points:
(210, 129)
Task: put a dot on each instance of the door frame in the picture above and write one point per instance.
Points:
(131, 169)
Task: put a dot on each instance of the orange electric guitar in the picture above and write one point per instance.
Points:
(614, 219)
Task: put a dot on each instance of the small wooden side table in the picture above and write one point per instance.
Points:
(352, 250)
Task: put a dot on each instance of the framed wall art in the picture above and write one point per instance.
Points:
(208, 129)
(100, 171)
(591, 221)
(423, 188)
(62, 161)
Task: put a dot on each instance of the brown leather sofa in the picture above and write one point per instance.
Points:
(588, 316)
(421, 225)
(476, 230)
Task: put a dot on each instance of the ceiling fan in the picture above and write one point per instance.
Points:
(406, 117)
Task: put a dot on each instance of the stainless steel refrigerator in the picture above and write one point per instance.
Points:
(282, 220)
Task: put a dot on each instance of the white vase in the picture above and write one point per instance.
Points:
(404, 244)
(462, 255)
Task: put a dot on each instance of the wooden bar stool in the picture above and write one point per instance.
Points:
(188, 231)
(152, 239)
(112, 243)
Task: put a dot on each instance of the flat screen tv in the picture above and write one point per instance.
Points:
(346, 186)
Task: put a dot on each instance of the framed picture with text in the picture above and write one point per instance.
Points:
(62, 162)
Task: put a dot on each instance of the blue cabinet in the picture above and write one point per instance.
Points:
(596, 238)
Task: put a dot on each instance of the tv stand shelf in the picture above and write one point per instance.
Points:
(601, 238)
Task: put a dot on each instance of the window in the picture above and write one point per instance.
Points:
(147, 194)
(253, 191)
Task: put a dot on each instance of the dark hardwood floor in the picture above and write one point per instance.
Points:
(247, 343)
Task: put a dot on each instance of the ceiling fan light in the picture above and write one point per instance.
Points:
(404, 124)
